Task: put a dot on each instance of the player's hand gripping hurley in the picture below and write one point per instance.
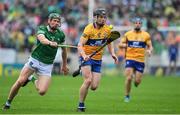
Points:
(113, 36)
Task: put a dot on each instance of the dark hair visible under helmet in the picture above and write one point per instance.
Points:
(100, 12)
(54, 16)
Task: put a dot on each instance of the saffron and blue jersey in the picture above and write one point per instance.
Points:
(135, 51)
(136, 45)
(95, 39)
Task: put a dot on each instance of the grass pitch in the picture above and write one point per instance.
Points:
(156, 95)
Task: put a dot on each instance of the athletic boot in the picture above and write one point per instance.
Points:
(81, 107)
(7, 105)
(127, 98)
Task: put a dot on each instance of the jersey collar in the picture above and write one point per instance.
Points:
(48, 28)
(95, 25)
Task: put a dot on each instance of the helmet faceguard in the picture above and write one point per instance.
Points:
(137, 20)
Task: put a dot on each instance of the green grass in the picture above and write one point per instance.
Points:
(154, 96)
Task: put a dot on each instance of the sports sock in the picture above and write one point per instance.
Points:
(32, 78)
(136, 84)
(8, 102)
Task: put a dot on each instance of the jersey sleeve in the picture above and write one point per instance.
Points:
(40, 30)
(86, 33)
(148, 39)
(124, 38)
(108, 32)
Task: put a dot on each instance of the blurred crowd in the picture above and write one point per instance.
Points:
(19, 19)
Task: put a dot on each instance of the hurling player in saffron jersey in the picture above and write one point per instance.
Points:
(136, 43)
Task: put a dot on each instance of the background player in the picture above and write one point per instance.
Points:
(173, 53)
(135, 43)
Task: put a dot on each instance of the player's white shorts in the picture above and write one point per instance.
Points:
(39, 67)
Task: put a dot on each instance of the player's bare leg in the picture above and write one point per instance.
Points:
(138, 78)
(169, 68)
(42, 84)
(95, 80)
(128, 73)
(25, 73)
(86, 71)
(174, 67)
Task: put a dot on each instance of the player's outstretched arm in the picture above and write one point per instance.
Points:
(64, 67)
(45, 41)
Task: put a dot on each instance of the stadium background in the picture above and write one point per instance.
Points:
(20, 18)
(161, 18)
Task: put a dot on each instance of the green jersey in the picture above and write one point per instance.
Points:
(46, 53)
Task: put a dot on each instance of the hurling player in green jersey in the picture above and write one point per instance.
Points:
(41, 59)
